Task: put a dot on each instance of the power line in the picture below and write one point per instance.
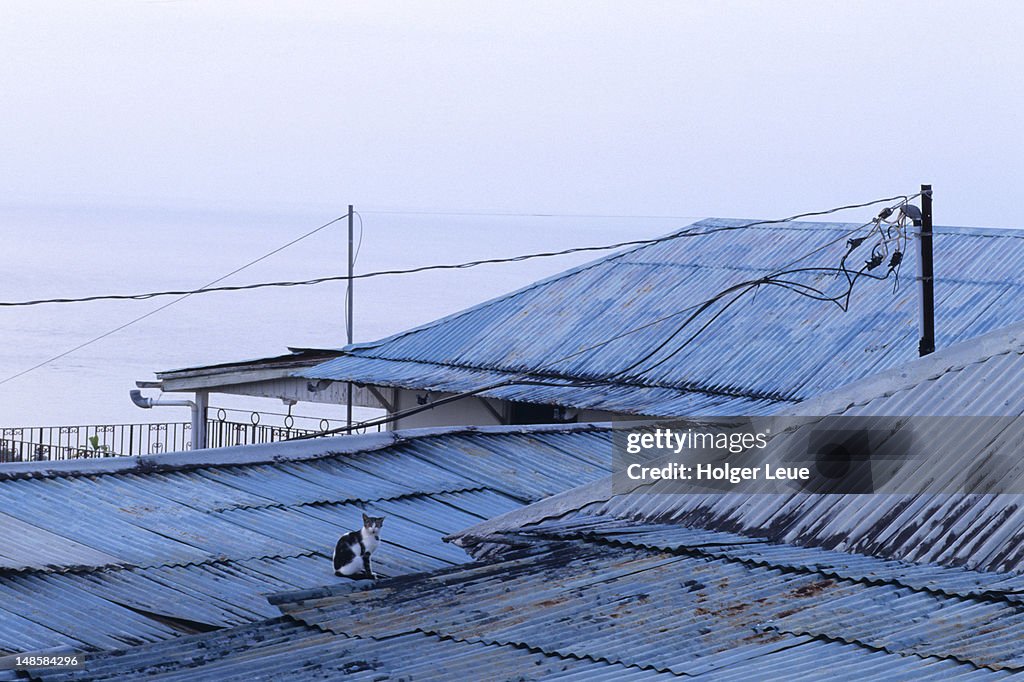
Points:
(741, 289)
(170, 303)
(693, 231)
(678, 313)
(690, 232)
(522, 380)
(879, 252)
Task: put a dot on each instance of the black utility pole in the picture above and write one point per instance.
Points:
(348, 321)
(927, 343)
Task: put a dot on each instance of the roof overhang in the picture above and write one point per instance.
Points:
(221, 375)
(613, 396)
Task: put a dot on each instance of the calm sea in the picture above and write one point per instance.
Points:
(80, 252)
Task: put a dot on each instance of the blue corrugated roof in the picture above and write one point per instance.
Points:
(108, 553)
(771, 350)
(585, 585)
(589, 610)
(980, 377)
(588, 598)
(676, 611)
(865, 586)
(284, 649)
(757, 551)
(928, 520)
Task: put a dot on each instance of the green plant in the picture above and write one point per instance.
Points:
(94, 443)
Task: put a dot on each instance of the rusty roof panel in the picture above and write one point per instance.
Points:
(690, 615)
(282, 649)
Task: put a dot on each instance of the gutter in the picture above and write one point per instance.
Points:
(198, 408)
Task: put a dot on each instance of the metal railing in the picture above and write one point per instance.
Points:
(27, 451)
(43, 443)
(39, 443)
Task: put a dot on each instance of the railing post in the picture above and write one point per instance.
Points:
(202, 402)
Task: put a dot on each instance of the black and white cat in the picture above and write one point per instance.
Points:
(352, 553)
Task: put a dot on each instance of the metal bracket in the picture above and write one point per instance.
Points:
(490, 408)
(388, 405)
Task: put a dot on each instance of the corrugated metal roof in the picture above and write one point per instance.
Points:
(773, 349)
(690, 615)
(299, 357)
(944, 580)
(597, 598)
(976, 531)
(927, 521)
(104, 554)
(283, 649)
(719, 576)
(584, 611)
(714, 586)
(982, 376)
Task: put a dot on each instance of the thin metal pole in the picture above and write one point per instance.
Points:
(199, 409)
(351, 265)
(927, 344)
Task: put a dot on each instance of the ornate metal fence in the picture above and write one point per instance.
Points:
(40, 443)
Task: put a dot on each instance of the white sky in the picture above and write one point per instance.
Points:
(737, 109)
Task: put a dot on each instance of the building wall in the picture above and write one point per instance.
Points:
(304, 390)
(468, 411)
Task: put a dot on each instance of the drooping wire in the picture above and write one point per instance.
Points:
(689, 232)
(692, 231)
(359, 241)
(880, 251)
(741, 289)
(184, 295)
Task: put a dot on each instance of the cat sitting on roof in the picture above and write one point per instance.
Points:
(352, 553)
